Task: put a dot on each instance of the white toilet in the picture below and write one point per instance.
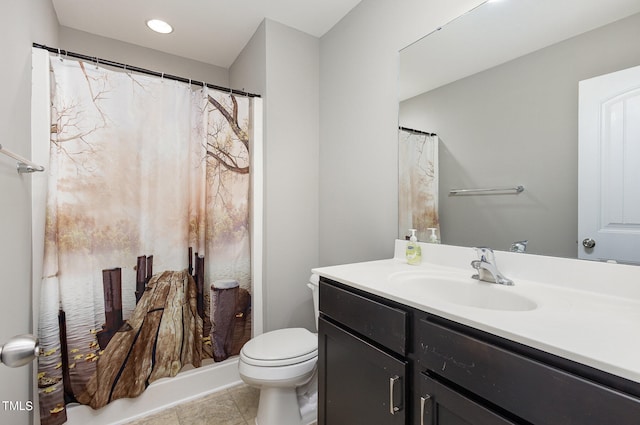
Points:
(282, 364)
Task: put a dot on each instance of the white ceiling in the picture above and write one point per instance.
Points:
(497, 32)
(210, 31)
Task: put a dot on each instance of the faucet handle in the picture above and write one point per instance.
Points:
(519, 246)
(485, 254)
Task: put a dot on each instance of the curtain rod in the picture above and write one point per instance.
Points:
(108, 62)
(411, 130)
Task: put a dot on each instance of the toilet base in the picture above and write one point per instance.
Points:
(278, 406)
(282, 389)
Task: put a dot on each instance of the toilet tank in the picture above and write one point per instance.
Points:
(314, 284)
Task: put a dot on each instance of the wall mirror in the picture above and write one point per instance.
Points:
(499, 86)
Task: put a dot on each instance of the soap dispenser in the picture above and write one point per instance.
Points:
(433, 238)
(413, 252)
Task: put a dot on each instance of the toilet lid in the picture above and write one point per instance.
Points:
(281, 347)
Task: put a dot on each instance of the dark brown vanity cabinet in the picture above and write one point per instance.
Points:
(363, 374)
(381, 362)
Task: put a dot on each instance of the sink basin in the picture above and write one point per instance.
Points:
(462, 291)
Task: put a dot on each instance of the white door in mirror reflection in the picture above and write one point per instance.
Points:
(609, 167)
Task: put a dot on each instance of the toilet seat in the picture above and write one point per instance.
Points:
(281, 347)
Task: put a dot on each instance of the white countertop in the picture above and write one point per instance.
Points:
(591, 327)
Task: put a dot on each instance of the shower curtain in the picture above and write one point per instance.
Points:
(147, 240)
(417, 184)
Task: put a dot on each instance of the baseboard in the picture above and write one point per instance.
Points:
(160, 395)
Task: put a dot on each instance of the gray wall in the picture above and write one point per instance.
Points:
(249, 70)
(518, 124)
(359, 120)
(131, 54)
(23, 23)
(284, 64)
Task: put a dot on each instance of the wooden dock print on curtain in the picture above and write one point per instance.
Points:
(147, 206)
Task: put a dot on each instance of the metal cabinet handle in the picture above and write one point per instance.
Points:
(392, 384)
(423, 401)
(588, 243)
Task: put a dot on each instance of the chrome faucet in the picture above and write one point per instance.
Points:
(487, 268)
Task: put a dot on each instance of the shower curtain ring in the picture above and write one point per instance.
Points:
(59, 55)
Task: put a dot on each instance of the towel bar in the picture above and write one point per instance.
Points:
(487, 191)
(24, 165)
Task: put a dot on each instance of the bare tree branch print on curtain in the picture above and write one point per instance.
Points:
(147, 210)
(417, 184)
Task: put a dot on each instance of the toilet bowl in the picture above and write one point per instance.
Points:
(282, 364)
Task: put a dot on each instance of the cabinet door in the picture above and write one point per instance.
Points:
(359, 384)
(441, 405)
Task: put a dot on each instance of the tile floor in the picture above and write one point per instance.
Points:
(234, 406)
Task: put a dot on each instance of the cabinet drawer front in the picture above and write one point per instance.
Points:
(380, 323)
(536, 392)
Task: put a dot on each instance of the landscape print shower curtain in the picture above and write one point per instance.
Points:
(147, 255)
(417, 183)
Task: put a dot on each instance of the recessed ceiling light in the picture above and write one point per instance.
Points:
(159, 26)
